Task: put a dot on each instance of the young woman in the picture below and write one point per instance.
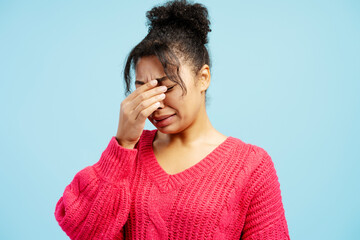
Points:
(185, 179)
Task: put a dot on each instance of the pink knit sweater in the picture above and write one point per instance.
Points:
(233, 193)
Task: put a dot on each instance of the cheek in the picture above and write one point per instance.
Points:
(172, 101)
(173, 97)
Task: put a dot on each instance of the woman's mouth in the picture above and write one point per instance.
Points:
(164, 121)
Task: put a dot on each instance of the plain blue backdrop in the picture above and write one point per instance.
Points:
(285, 77)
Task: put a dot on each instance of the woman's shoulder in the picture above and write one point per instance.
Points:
(254, 150)
(252, 165)
(252, 155)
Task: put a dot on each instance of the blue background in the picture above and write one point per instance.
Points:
(285, 77)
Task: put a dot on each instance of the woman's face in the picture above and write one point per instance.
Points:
(185, 109)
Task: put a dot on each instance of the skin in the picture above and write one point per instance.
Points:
(191, 135)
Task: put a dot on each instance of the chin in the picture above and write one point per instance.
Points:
(166, 130)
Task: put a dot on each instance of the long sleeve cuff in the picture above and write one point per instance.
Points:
(116, 162)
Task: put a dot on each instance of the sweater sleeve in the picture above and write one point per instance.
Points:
(96, 203)
(265, 218)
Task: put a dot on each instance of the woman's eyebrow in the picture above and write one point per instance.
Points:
(159, 80)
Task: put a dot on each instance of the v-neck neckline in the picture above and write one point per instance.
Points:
(167, 182)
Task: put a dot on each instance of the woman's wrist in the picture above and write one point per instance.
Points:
(125, 144)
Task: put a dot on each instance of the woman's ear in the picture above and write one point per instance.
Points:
(204, 77)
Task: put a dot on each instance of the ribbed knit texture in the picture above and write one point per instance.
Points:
(233, 193)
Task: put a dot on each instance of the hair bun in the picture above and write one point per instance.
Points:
(183, 15)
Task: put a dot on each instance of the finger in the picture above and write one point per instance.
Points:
(147, 103)
(143, 88)
(145, 113)
(144, 96)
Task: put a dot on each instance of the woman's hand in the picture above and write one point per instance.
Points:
(135, 109)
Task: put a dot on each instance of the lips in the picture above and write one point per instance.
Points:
(162, 117)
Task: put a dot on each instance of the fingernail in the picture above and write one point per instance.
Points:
(153, 82)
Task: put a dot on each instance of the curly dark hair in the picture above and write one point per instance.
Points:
(177, 30)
